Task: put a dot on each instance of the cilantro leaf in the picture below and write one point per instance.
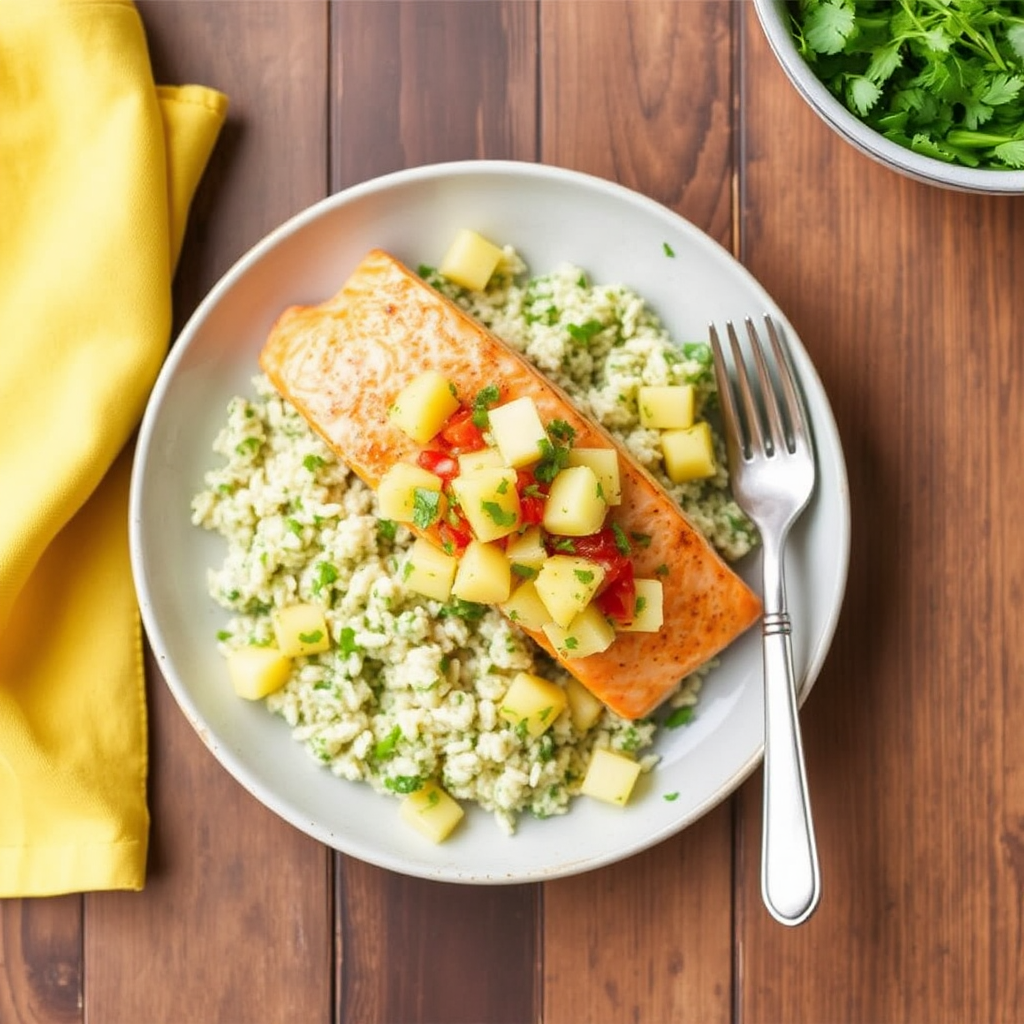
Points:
(426, 507)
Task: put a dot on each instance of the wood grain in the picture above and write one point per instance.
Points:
(908, 298)
(640, 93)
(235, 921)
(415, 84)
(41, 960)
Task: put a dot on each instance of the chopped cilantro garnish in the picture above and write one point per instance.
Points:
(404, 783)
(527, 572)
(386, 747)
(407, 570)
(561, 431)
(564, 544)
(386, 529)
(667, 249)
(503, 486)
(312, 638)
(671, 796)
(485, 398)
(326, 574)
(681, 716)
(347, 641)
(223, 634)
(553, 459)
(498, 515)
(248, 446)
(582, 333)
(662, 570)
(621, 540)
(643, 539)
(312, 462)
(641, 604)
(584, 575)
(469, 610)
(571, 643)
(426, 507)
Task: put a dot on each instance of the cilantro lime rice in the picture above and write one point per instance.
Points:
(410, 689)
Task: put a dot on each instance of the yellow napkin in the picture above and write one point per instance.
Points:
(97, 169)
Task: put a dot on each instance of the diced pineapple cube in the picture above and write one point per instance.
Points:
(584, 708)
(689, 454)
(566, 584)
(470, 260)
(666, 407)
(484, 574)
(588, 633)
(605, 464)
(423, 405)
(397, 498)
(526, 551)
(300, 629)
(429, 571)
(489, 501)
(431, 811)
(575, 505)
(486, 458)
(647, 609)
(533, 701)
(518, 431)
(610, 776)
(258, 671)
(525, 608)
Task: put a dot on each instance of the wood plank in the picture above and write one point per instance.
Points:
(908, 298)
(421, 83)
(648, 939)
(41, 960)
(236, 900)
(413, 84)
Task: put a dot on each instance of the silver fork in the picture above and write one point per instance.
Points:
(771, 463)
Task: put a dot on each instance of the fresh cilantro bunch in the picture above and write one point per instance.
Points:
(942, 77)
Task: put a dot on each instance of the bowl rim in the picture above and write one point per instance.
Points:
(926, 169)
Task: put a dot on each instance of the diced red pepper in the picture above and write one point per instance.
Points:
(439, 463)
(618, 599)
(454, 537)
(460, 434)
(532, 496)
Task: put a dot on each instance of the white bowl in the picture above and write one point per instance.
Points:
(550, 215)
(774, 20)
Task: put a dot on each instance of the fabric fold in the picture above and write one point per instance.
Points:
(98, 166)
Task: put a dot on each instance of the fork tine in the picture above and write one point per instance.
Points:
(776, 428)
(750, 410)
(795, 408)
(727, 399)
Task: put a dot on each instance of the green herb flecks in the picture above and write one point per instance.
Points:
(584, 575)
(312, 463)
(471, 611)
(326, 574)
(387, 529)
(621, 540)
(404, 784)
(667, 249)
(312, 638)
(347, 641)
(385, 748)
(498, 515)
(582, 333)
(426, 507)
(526, 572)
(485, 398)
(941, 78)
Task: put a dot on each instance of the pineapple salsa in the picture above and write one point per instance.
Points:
(389, 656)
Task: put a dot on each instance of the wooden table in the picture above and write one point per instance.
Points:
(909, 300)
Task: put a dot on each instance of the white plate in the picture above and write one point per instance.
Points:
(549, 215)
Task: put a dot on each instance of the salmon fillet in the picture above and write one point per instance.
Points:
(341, 364)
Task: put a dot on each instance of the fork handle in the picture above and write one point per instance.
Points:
(790, 876)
